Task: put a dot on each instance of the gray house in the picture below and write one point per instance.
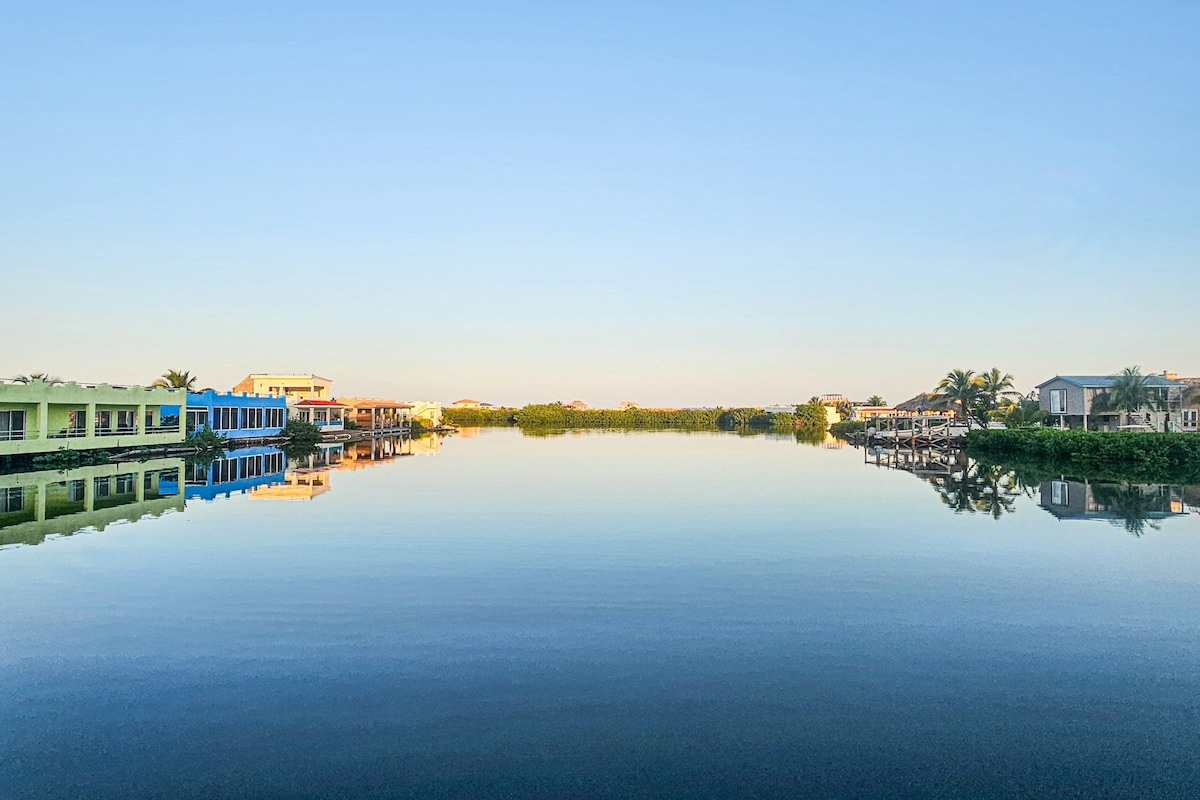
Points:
(1068, 399)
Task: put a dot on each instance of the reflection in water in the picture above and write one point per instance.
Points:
(34, 505)
(1132, 506)
(966, 485)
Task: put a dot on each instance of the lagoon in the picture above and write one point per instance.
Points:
(589, 614)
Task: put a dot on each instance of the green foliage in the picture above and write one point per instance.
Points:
(69, 459)
(300, 432)
(876, 400)
(174, 379)
(812, 416)
(206, 440)
(846, 429)
(416, 428)
(479, 417)
(38, 376)
(1022, 414)
(1119, 456)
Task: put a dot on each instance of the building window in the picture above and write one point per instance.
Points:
(12, 499)
(75, 491)
(273, 462)
(1191, 417)
(225, 419)
(126, 420)
(1058, 401)
(274, 417)
(102, 487)
(1060, 493)
(12, 425)
(225, 470)
(77, 421)
(252, 466)
(252, 417)
(125, 483)
(197, 418)
(103, 420)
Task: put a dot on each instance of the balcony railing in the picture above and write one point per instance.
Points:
(162, 429)
(18, 434)
(122, 431)
(69, 433)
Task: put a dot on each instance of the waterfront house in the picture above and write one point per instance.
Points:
(236, 415)
(1069, 400)
(577, 405)
(467, 402)
(427, 411)
(376, 414)
(328, 415)
(870, 412)
(292, 386)
(41, 417)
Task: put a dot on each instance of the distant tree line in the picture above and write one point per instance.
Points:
(810, 416)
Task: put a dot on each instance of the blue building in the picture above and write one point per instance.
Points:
(235, 415)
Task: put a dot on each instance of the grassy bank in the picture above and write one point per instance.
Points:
(1121, 456)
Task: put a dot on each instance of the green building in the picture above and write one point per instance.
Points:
(41, 417)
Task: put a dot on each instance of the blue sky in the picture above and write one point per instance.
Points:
(673, 203)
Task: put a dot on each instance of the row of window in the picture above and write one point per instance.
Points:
(226, 470)
(232, 419)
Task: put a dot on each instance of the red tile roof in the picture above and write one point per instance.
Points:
(321, 403)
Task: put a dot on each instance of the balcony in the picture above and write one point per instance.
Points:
(69, 433)
(18, 434)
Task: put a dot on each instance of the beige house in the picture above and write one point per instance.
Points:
(291, 386)
(427, 411)
(467, 402)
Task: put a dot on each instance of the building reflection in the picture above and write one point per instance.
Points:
(34, 505)
(235, 472)
(305, 477)
(1135, 507)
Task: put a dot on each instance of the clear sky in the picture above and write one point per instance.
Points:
(672, 203)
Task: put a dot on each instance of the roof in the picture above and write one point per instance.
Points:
(322, 403)
(1105, 381)
(465, 400)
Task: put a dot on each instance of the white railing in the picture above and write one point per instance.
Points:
(18, 435)
(162, 429)
(69, 433)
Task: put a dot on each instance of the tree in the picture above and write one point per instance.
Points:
(961, 387)
(174, 379)
(38, 376)
(876, 400)
(1023, 414)
(994, 386)
(1130, 391)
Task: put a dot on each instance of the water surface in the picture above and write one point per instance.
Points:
(627, 615)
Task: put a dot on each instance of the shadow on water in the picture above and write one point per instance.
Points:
(968, 486)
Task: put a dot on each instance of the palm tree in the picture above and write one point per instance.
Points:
(961, 387)
(876, 400)
(993, 385)
(38, 376)
(1130, 391)
(174, 379)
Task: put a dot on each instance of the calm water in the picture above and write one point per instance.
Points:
(655, 615)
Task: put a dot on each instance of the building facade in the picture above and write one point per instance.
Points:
(39, 417)
(1070, 402)
(236, 415)
(292, 386)
(328, 415)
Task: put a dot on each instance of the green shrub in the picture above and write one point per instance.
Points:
(1120, 455)
(300, 432)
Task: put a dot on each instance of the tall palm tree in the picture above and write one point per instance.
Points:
(876, 400)
(993, 385)
(38, 376)
(1130, 391)
(960, 387)
(174, 379)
